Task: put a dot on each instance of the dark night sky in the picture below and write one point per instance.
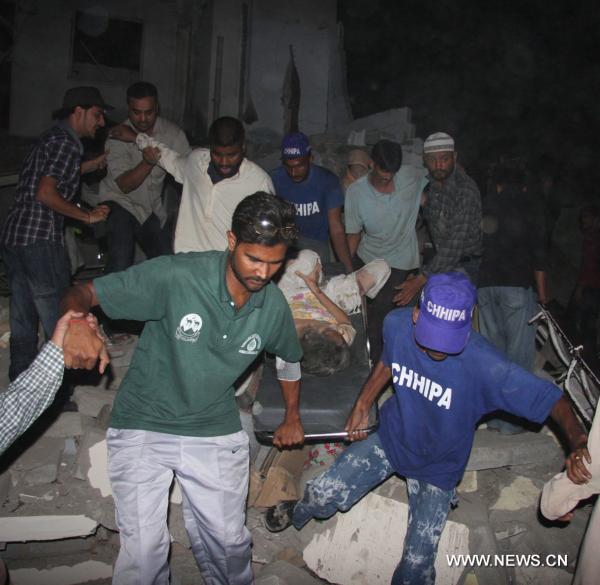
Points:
(516, 78)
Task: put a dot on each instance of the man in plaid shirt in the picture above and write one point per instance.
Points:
(32, 240)
(33, 391)
(452, 209)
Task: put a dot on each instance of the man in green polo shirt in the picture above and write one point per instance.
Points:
(208, 316)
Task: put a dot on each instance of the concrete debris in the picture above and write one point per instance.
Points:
(284, 573)
(492, 450)
(359, 550)
(64, 575)
(39, 464)
(521, 493)
(545, 575)
(92, 462)
(468, 483)
(24, 528)
(90, 400)
(68, 424)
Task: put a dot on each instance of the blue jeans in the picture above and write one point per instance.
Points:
(504, 312)
(122, 232)
(356, 472)
(38, 274)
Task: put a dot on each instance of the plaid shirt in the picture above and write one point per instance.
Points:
(30, 394)
(56, 154)
(453, 214)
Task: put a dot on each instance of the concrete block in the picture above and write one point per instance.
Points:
(39, 464)
(366, 544)
(468, 483)
(68, 424)
(91, 399)
(5, 485)
(63, 575)
(55, 527)
(545, 575)
(285, 574)
(473, 511)
(492, 450)
(521, 493)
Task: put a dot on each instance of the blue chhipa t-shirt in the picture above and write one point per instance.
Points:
(313, 198)
(428, 425)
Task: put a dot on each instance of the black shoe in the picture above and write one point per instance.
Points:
(279, 517)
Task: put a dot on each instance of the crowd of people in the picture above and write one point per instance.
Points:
(210, 310)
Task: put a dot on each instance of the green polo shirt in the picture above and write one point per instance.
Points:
(195, 344)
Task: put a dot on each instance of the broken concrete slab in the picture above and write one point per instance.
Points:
(545, 575)
(358, 550)
(473, 511)
(468, 483)
(521, 493)
(83, 461)
(24, 528)
(90, 399)
(39, 464)
(284, 573)
(492, 450)
(68, 424)
(63, 575)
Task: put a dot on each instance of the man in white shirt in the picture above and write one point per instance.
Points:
(133, 185)
(214, 181)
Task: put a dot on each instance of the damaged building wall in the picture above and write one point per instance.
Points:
(311, 29)
(43, 65)
(207, 58)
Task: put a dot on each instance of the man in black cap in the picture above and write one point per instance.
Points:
(32, 239)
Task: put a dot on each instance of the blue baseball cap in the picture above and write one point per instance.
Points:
(444, 321)
(295, 145)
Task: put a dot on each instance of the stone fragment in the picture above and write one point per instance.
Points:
(68, 424)
(492, 450)
(55, 527)
(468, 483)
(521, 493)
(90, 399)
(63, 575)
(39, 464)
(283, 573)
(360, 549)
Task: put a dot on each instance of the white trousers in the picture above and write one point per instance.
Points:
(213, 475)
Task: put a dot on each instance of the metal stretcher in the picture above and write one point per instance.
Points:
(325, 401)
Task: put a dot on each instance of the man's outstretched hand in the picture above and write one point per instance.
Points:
(408, 289)
(81, 340)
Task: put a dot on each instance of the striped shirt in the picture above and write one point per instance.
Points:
(56, 154)
(30, 394)
(453, 215)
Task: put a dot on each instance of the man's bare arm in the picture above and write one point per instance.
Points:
(47, 193)
(338, 238)
(290, 432)
(133, 178)
(577, 438)
(359, 417)
(353, 241)
(82, 347)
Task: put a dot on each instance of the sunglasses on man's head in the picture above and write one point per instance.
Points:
(264, 227)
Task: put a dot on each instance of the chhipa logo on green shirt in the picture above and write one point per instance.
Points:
(189, 328)
(251, 345)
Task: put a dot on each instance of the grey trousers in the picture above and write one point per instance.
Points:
(213, 476)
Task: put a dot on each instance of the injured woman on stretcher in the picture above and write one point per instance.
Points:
(321, 307)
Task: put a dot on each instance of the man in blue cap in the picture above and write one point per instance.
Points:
(445, 378)
(317, 195)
